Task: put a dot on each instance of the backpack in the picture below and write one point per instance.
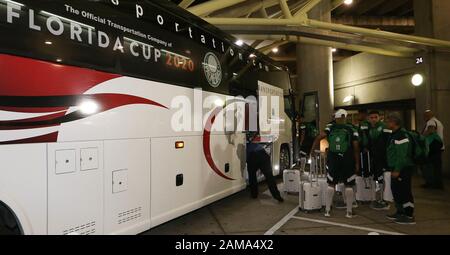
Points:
(340, 139)
(419, 148)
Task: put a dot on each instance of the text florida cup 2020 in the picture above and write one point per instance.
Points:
(55, 25)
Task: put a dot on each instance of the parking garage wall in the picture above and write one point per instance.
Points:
(367, 78)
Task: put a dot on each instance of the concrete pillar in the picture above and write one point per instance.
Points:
(315, 69)
(432, 20)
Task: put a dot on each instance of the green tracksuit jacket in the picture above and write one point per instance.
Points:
(399, 151)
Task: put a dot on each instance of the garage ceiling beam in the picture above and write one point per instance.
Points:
(338, 45)
(306, 8)
(285, 9)
(329, 36)
(378, 33)
(263, 13)
(333, 27)
(249, 7)
(186, 3)
(293, 8)
(212, 6)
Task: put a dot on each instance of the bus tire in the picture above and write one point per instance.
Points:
(8, 221)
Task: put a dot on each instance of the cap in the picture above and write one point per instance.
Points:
(341, 113)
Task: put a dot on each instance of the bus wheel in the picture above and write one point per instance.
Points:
(285, 158)
(8, 221)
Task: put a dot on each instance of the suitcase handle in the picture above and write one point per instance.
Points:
(313, 173)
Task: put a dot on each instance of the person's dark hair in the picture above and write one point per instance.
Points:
(396, 119)
(374, 112)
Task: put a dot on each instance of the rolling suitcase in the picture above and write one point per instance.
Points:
(323, 184)
(365, 186)
(310, 195)
(291, 179)
(322, 176)
(365, 189)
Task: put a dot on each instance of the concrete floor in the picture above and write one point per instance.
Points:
(240, 215)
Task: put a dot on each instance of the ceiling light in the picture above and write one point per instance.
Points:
(252, 55)
(348, 99)
(239, 42)
(275, 50)
(48, 42)
(348, 2)
(417, 80)
(333, 50)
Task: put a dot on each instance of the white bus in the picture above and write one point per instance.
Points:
(90, 93)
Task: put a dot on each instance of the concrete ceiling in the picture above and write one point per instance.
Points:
(388, 15)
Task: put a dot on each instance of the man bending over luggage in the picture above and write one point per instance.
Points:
(257, 158)
(342, 159)
(400, 162)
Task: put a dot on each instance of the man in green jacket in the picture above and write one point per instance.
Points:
(400, 163)
(377, 138)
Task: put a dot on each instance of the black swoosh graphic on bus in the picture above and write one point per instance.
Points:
(105, 102)
(43, 101)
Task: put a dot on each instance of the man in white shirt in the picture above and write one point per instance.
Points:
(433, 125)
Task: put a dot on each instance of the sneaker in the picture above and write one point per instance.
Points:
(327, 214)
(380, 205)
(405, 220)
(350, 215)
(393, 216)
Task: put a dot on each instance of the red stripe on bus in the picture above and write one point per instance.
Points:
(48, 138)
(28, 77)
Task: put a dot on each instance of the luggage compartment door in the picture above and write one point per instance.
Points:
(127, 186)
(75, 188)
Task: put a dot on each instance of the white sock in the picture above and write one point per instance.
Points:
(330, 196)
(350, 195)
